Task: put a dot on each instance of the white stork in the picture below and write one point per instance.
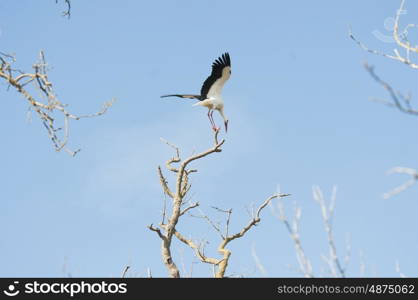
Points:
(210, 94)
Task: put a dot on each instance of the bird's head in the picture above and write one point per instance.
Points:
(226, 73)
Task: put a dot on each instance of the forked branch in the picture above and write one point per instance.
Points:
(221, 263)
(398, 99)
(400, 38)
(412, 173)
(47, 104)
(336, 266)
(166, 231)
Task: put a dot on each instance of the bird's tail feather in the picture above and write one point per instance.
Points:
(183, 96)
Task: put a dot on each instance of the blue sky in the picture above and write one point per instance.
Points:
(300, 115)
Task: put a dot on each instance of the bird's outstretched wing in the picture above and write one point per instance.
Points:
(183, 96)
(221, 71)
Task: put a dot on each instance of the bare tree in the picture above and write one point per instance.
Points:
(402, 170)
(404, 48)
(47, 106)
(401, 101)
(166, 230)
(335, 266)
(305, 266)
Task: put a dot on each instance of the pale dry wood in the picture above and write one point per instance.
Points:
(305, 266)
(221, 264)
(397, 99)
(402, 170)
(335, 265)
(253, 222)
(400, 39)
(166, 231)
(47, 103)
(164, 184)
(181, 188)
(189, 208)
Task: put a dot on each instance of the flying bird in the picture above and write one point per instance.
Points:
(210, 93)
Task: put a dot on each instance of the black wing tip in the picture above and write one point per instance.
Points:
(227, 59)
(171, 95)
(188, 96)
(222, 61)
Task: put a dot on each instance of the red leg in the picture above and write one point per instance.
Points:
(213, 122)
(210, 119)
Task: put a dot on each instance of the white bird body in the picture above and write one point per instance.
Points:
(216, 103)
(210, 94)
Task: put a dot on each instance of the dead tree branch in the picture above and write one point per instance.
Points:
(337, 269)
(166, 231)
(402, 170)
(399, 100)
(305, 266)
(403, 104)
(257, 261)
(399, 37)
(47, 104)
(253, 222)
(221, 264)
(182, 186)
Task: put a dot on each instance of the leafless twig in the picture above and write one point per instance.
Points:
(402, 170)
(336, 267)
(182, 186)
(166, 231)
(47, 104)
(399, 100)
(215, 226)
(125, 271)
(222, 263)
(400, 38)
(257, 260)
(305, 266)
(398, 270)
(190, 207)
